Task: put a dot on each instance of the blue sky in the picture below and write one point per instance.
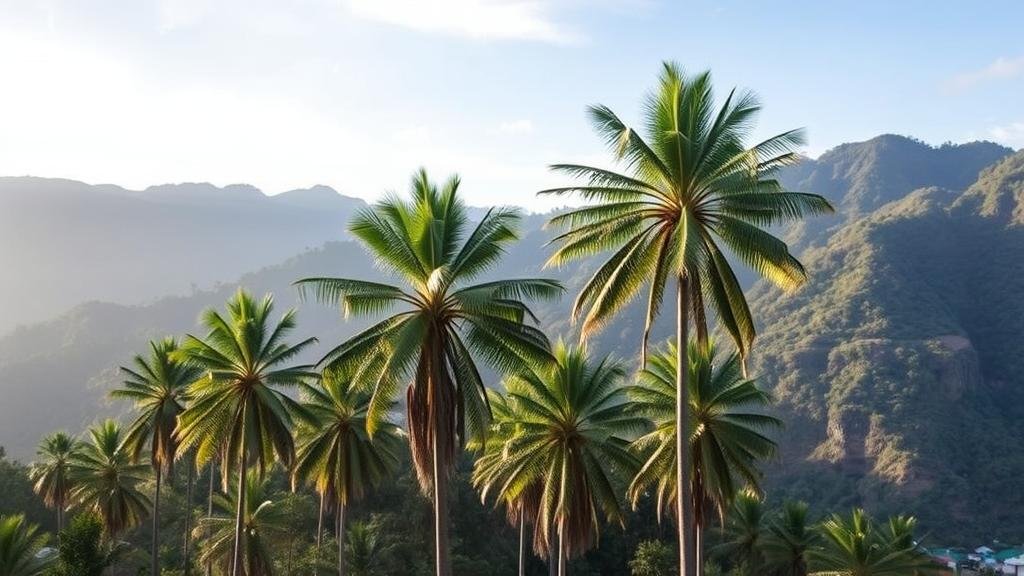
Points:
(357, 93)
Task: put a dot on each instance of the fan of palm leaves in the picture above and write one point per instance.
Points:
(571, 439)
(50, 473)
(727, 436)
(106, 479)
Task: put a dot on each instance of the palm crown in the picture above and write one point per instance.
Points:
(236, 406)
(157, 386)
(50, 472)
(429, 242)
(693, 188)
(571, 439)
(335, 450)
(106, 479)
(727, 432)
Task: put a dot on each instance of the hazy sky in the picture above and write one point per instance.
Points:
(357, 93)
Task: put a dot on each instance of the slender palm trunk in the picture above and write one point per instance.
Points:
(209, 514)
(698, 536)
(155, 565)
(440, 506)
(188, 515)
(563, 566)
(522, 542)
(236, 563)
(319, 532)
(553, 547)
(684, 501)
(341, 539)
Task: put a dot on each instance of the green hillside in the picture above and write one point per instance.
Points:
(898, 369)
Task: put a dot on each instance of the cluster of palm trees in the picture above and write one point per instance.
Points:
(570, 438)
(787, 544)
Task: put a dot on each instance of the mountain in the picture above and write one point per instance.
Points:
(861, 177)
(897, 369)
(64, 242)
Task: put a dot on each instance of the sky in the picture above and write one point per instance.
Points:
(356, 94)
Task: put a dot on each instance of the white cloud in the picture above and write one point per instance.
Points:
(1011, 134)
(477, 19)
(1000, 68)
(515, 127)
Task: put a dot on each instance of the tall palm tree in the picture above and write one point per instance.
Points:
(790, 540)
(572, 430)
(106, 479)
(857, 546)
(336, 452)
(49, 473)
(157, 387)
(745, 532)
(691, 188)
(237, 408)
(20, 544)
(444, 325)
(263, 521)
(520, 504)
(727, 434)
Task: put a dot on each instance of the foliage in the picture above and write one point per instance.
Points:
(106, 481)
(335, 450)
(263, 519)
(429, 243)
(856, 546)
(20, 544)
(727, 437)
(50, 472)
(789, 540)
(571, 440)
(653, 558)
(83, 551)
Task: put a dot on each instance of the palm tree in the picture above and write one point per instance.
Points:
(365, 546)
(571, 437)
(693, 187)
(726, 438)
(237, 409)
(20, 544)
(157, 387)
(263, 520)
(744, 533)
(49, 474)
(445, 324)
(335, 450)
(520, 505)
(106, 479)
(856, 546)
(789, 541)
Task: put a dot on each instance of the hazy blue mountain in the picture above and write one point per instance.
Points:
(64, 242)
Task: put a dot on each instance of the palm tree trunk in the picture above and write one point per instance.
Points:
(522, 542)
(563, 567)
(188, 514)
(209, 514)
(319, 532)
(155, 569)
(236, 563)
(698, 536)
(684, 501)
(341, 539)
(440, 506)
(553, 554)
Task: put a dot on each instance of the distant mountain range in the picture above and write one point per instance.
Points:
(64, 242)
(898, 369)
